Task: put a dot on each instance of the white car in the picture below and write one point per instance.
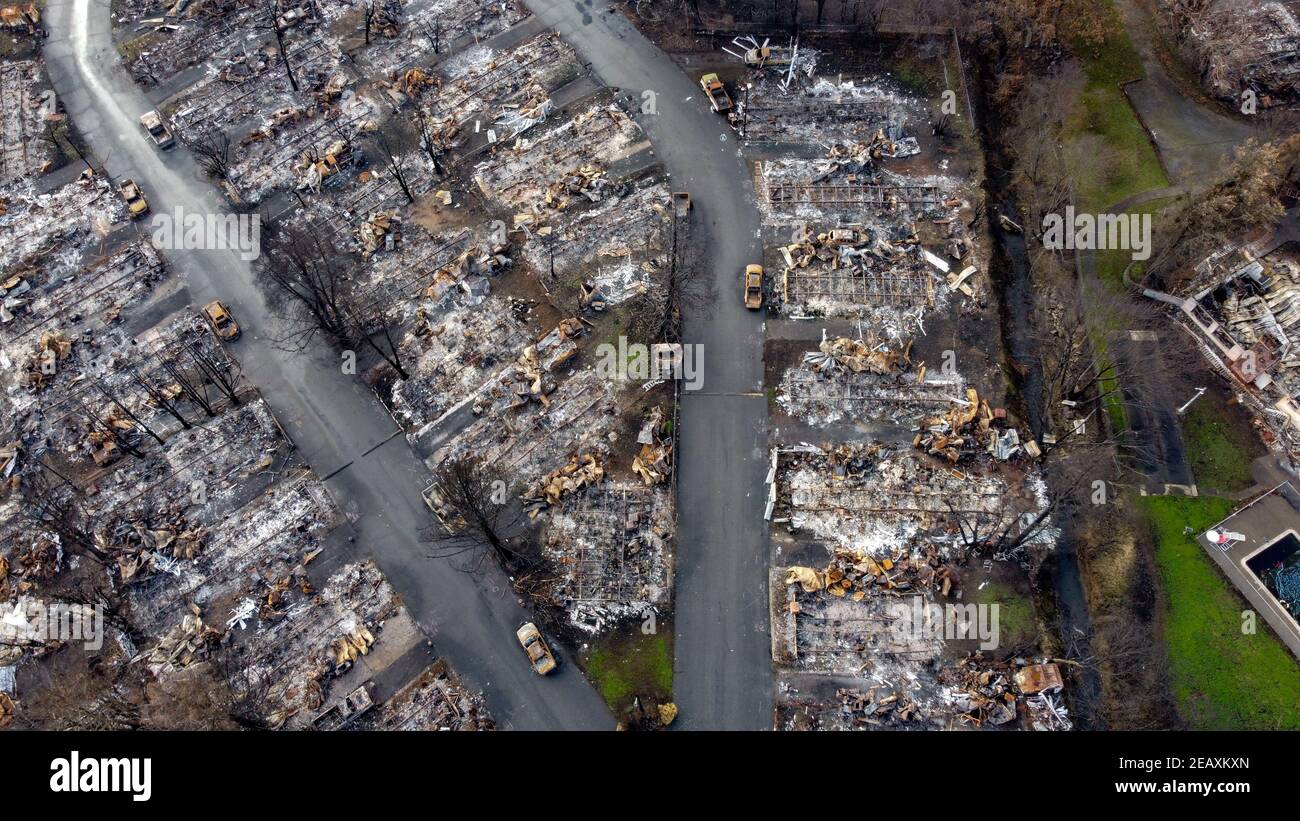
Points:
(153, 123)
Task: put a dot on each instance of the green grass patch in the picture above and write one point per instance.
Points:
(1109, 154)
(1017, 626)
(1103, 325)
(627, 664)
(1220, 445)
(1110, 159)
(1111, 262)
(1221, 679)
(922, 77)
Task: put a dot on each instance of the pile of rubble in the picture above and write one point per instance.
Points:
(433, 700)
(587, 181)
(529, 378)
(187, 643)
(37, 557)
(983, 691)
(970, 427)
(52, 348)
(1244, 310)
(856, 575)
(860, 161)
(381, 231)
(654, 462)
(857, 355)
(96, 297)
(876, 707)
(139, 546)
(580, 471)
(866, 380)
(1261, 312)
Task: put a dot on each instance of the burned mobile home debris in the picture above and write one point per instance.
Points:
(925, 491)
(860, 236)
(150, 476)
(448, 196)
(490, 207)
(1241, 309)
(449, 389)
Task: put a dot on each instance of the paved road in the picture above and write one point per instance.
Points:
(1195, 140)
(339, 426)
(723, 653)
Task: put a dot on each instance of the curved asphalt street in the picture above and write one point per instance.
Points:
(723, 651)
(338, 425)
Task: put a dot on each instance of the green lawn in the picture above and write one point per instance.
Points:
(1112, 399)
(1220, 445)
(628, 664)
(1016, 624)
(1110, 156)
(1221, 679)
(1110, 159)
(1111, 262)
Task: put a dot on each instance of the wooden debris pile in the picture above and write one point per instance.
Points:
(582, 470)
(187, 643)
(857, 575)
(140, 543)
(857, 355)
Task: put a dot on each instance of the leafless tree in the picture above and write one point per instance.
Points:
(161, 397)
(244, 696)
(369, 13)
(271, 22)
(217, 368)
(51, 502)
(115, 400)
(193, 386)
(211, 150)
(430, 141)
(478, 520)
(80, 695)
(191, 699)
(435, 34)
(309, 279)
(99, 422)
(1004, 532)
(393, 161)
(1040, 176)
(371, 324)
(1248, 195)
(682, 287)
(872, 11)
